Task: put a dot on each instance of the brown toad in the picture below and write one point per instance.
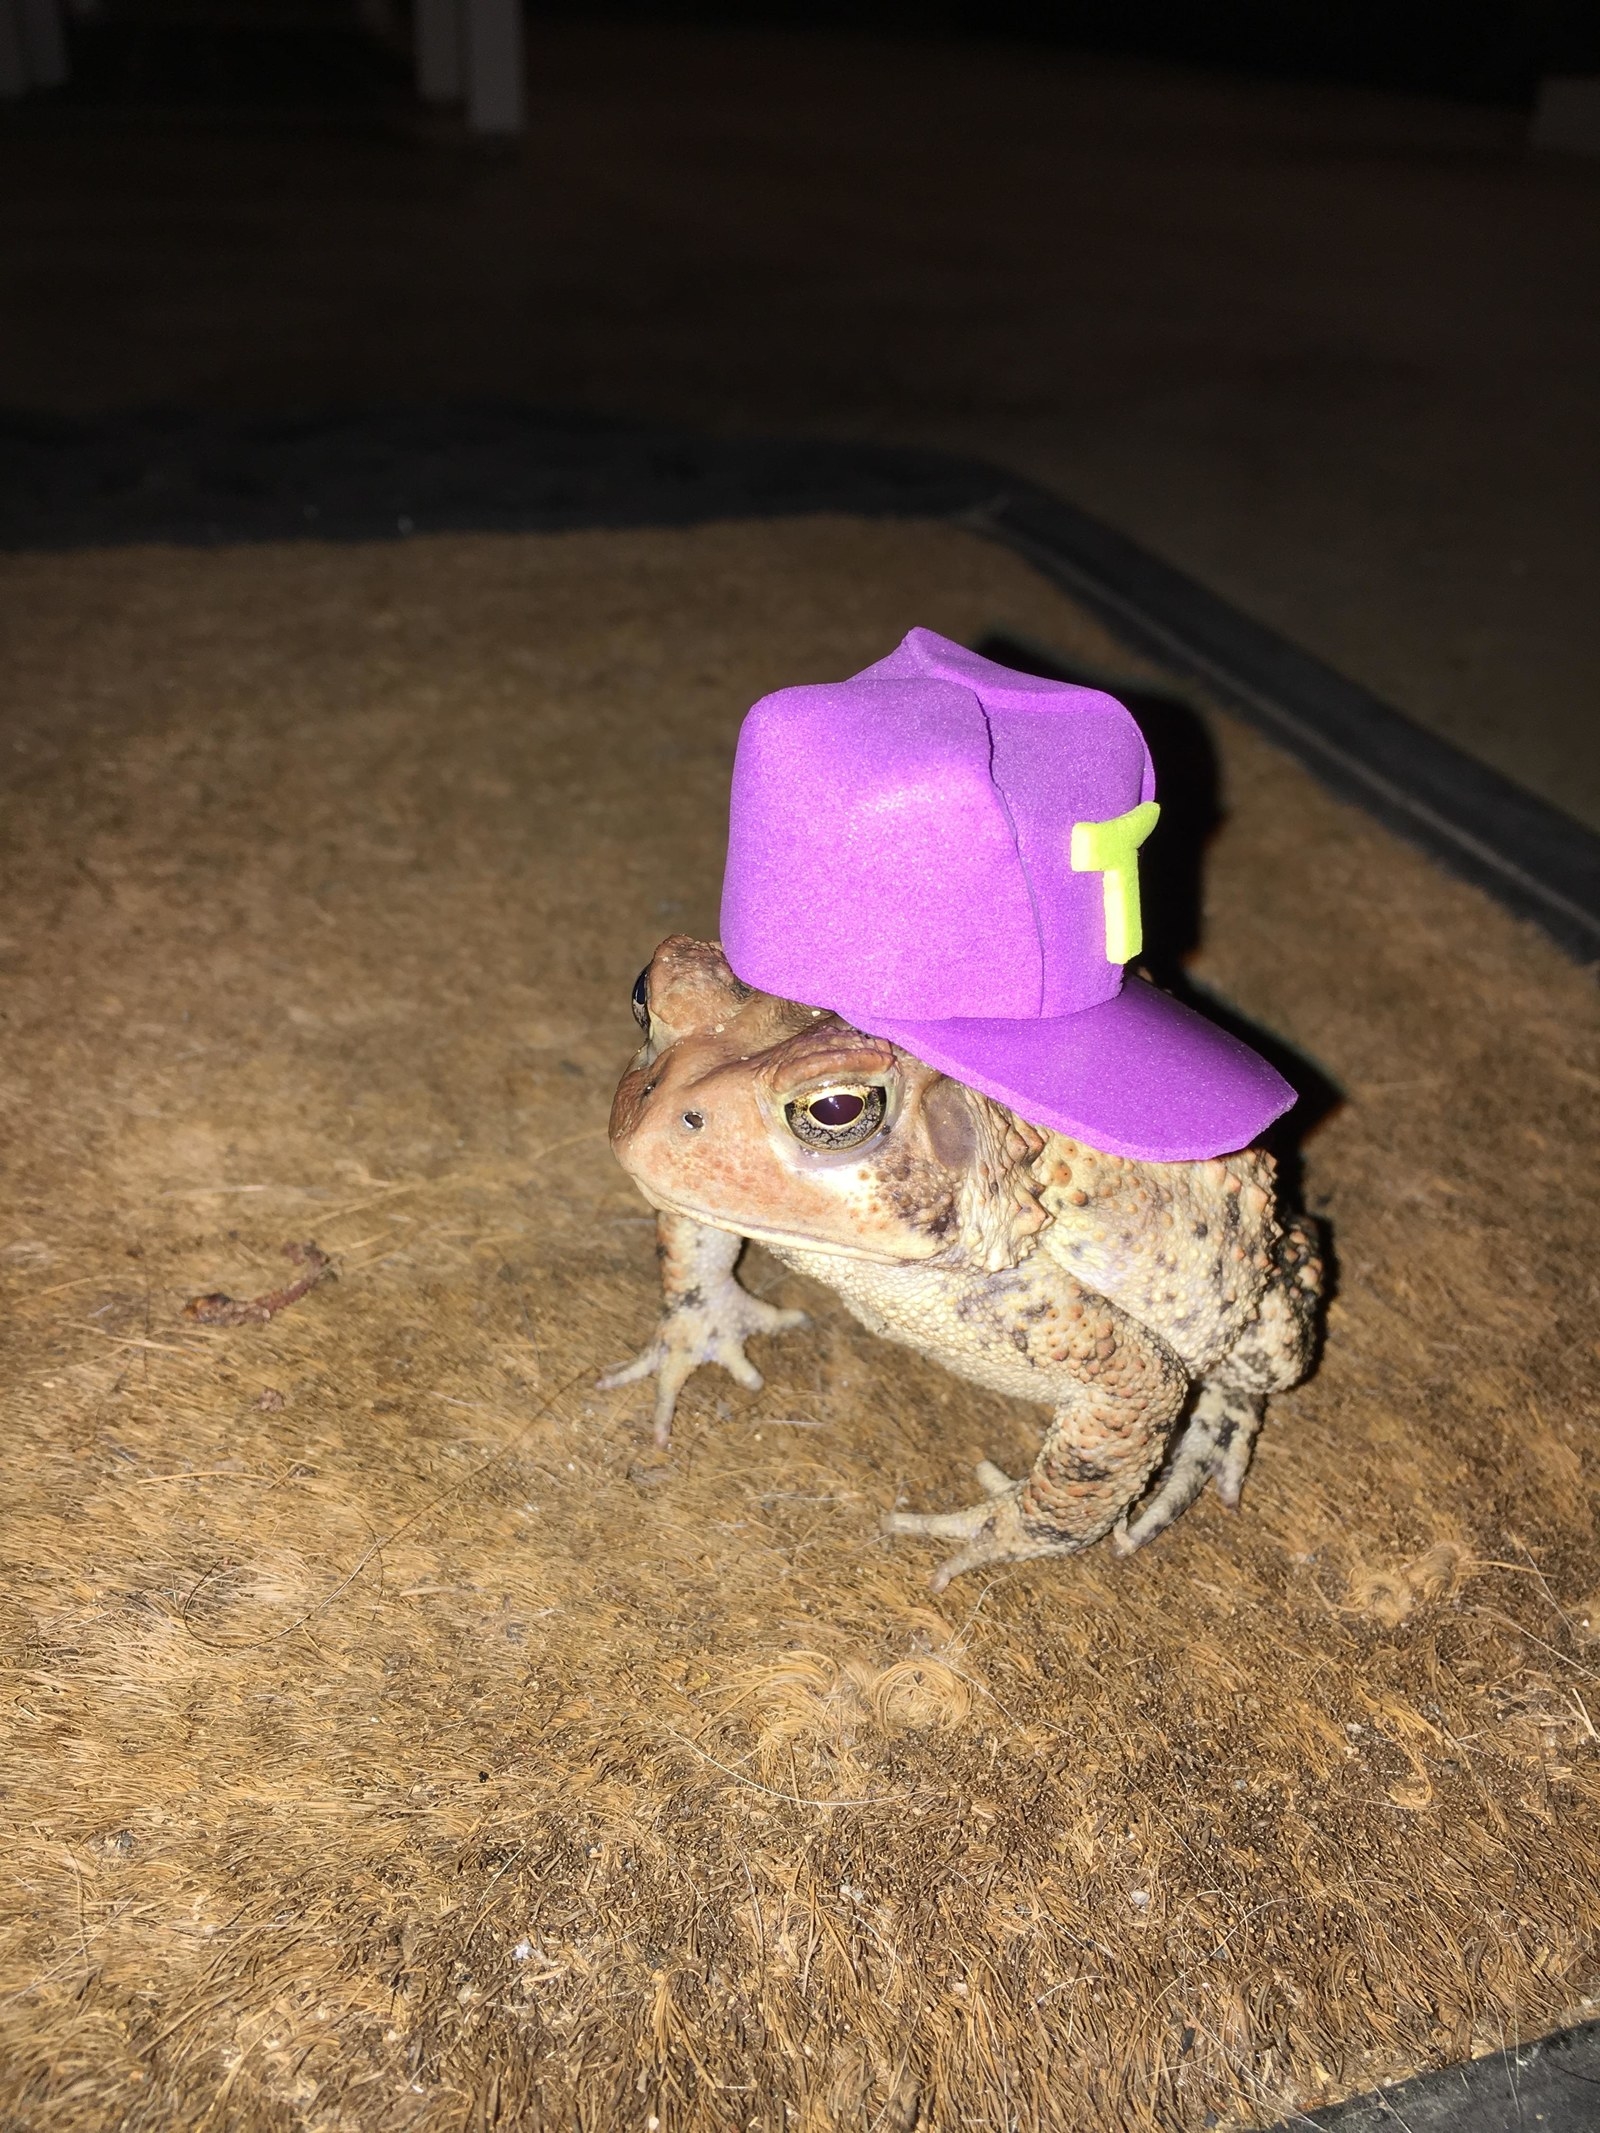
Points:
(1126, 1296)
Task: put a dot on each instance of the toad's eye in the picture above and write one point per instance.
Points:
(641, 998)
(837, 1118)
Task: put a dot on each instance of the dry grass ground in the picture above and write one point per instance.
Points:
(394, 1740)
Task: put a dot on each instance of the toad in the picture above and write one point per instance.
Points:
(1150, 1306)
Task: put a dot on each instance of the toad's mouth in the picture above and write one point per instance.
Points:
(789, 1240)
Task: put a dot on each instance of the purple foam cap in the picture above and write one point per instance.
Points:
(946, 853)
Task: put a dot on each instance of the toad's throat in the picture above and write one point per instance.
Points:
(787, 1239)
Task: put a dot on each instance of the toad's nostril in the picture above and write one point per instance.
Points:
(693, 1121)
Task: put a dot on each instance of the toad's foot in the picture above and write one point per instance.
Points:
(995, 1531)
(1215, 1445)
(705, 1324)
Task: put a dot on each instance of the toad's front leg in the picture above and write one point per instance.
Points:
(707, 1319)
(1127, 1388)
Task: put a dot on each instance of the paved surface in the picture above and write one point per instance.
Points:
(1331, 351)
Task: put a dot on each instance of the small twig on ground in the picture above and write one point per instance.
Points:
(220, 1310)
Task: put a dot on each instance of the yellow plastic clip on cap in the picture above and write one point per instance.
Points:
(1112, 849)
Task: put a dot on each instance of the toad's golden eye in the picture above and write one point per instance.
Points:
(837, 1118)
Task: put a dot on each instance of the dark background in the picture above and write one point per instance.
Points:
(1485, 49)
(1283, 292)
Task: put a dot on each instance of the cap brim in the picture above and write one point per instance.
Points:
(1140, 1075)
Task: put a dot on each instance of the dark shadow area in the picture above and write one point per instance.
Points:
(281, 58)
(280, 53)
(373, 473)
(1553, 2085)
(228, 53)
(1488, 51)
(1173, 882)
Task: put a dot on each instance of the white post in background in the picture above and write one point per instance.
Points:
(44, 43)
(441, 77)
(33, 46)
(13, 72)
(496, 96)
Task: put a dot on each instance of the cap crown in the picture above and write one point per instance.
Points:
(901, 843)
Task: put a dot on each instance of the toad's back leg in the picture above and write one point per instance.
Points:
(1120, 1388)
(1274, 1352)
